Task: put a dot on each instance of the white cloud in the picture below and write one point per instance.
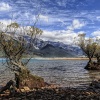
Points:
(96, 33)
(6, 22)
(62, 2)
(22, 30)
(98, 18)
(81, 32)
(76, 24)
(4, 6)
(65, 36)
(44, 18)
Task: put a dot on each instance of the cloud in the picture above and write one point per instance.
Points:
(76, 24)
(98, 18)
(4, 6)
(3, 24)
(44, 18)
(96, 33)
(62, 2)
(65, 36)
(55, 17)
(22, 30)
(6, 22)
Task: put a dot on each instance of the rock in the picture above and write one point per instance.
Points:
(95, 84)
(26, 88)
(54, 94)
(22, 90)
(92, 66)
(7, 86)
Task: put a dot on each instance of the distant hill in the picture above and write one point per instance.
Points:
(51, 51)
(57, 49)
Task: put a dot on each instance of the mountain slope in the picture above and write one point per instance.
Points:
(52, 51)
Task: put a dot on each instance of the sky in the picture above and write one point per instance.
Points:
(60, 20)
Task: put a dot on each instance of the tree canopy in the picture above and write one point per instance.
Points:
(15, 46)
(90, 46)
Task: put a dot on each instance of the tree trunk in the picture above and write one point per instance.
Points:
(98, 60)
(89, 64)
(25, 78)
(93, 65)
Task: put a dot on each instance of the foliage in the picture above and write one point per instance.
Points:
(91, 47)
(14, 45)
(88, 46)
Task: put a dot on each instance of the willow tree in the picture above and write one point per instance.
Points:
(89, 47)
(15, 46)
(97, 53)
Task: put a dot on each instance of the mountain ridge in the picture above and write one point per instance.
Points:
(57, 49)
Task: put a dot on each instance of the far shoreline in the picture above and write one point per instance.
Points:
(55, 58)
(61, 58)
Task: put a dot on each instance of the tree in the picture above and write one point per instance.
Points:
(91, 49)
(15, 46)
(97, 53)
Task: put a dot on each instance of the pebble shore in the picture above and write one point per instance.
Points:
(92, 92)
(54, 94)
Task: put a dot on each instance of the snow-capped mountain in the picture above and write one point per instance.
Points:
(54, 49)
(58, 49)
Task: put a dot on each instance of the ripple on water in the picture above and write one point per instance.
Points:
(64, 72)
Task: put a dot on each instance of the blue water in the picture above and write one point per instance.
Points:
(66, 73)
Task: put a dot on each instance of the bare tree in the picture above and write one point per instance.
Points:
(15, 46)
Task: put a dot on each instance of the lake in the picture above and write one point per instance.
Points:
(65, 73)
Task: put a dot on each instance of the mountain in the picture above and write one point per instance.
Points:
(53, 49)
(50, 48)
(57, 49)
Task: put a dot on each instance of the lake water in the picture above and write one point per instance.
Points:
(66, 73)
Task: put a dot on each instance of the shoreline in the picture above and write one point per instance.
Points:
(64, 58)
(61, 58)
(56, 58)
(88, 93)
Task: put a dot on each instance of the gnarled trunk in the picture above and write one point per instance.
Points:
(25, 78)
(89, 64)
(98, 60)
(92, 65)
